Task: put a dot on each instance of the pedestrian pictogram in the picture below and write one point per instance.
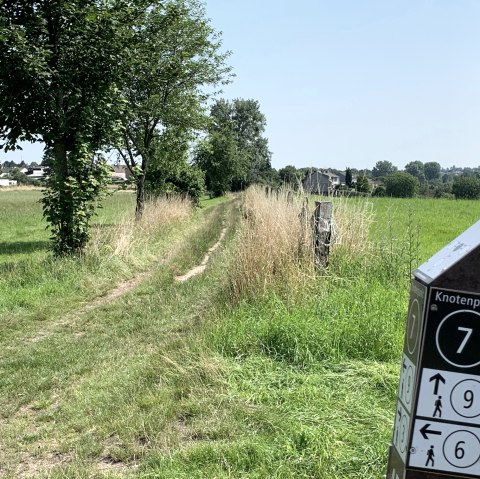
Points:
(430, 456)
(438, 407)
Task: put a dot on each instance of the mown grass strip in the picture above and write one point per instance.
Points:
(103, 390)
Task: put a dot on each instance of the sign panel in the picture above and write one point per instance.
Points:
(437, 424)
(407, 383)
(449, 396)
(446, 431)
(401, 431)
(445, 447)
(453, 332)
(414, 321)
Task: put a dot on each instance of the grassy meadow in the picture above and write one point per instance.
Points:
(261, 367)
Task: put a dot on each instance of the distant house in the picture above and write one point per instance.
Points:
(36, 172)
(119, 174)
(5, 182)
(321, 182)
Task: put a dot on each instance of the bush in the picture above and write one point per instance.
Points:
(187, 180)
(401, 185)
(379, 191)
(466, 187)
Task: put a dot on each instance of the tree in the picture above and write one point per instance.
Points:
(432, 170)
(289, 174)
(60, 65)
(235, 154)
(348, 177)
(383, 169)
(362, 185)
(466, 187)
(401, 185)
(416, 168)
(176, 57)
(170, 171)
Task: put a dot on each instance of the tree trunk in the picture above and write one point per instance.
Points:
(140, 197)
(65, 223)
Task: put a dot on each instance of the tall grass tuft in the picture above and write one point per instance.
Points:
(123, 238)
(162, 211)
(352, 219)
(270, 253)
(276, 240)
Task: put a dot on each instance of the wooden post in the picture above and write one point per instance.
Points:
(290, 197)
(322, 224)
(302, 243)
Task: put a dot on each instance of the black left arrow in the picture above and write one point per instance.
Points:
(438, 378)
(425, 431)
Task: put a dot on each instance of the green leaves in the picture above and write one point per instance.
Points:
(235, 154)
(69, 202)
(174, 58)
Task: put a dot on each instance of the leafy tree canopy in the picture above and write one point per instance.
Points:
(362, 184)
(432, 170)
(382, 169)
(466, 187)
(176, 57)
(401, 185)
(416, 168)
(61, 62)
(289, 174)
(235, 154)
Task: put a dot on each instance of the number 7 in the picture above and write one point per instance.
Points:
(469, 332)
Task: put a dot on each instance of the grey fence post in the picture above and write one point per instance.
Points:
(302, 243)
(322, 224)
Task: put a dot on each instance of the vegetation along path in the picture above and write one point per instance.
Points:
(84, 391)
(257, 368)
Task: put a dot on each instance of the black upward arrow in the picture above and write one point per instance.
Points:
(426, 431)
(438, 378)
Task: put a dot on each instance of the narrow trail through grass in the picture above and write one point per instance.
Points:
(86, 391)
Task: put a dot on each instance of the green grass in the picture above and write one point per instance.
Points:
(96, 386)
(438, 221)
(174, 381)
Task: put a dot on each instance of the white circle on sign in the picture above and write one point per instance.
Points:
(457, 337)
(403, 434)
(461, 449)
(413, 326)
(409, 379)
(465, 398)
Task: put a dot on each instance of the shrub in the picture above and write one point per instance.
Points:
(401, 185)
(466, 187)
(379, 191)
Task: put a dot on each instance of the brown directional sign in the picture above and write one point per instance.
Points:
(436, 432)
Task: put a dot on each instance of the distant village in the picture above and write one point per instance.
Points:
(13, 174)
(431, 179)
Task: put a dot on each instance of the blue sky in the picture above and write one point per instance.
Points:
(352, 82)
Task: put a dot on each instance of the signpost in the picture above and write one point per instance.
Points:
(436, 434)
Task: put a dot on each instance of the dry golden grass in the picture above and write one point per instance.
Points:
(163, 211)
(275, 248)
(123, 238)
(276, 240)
